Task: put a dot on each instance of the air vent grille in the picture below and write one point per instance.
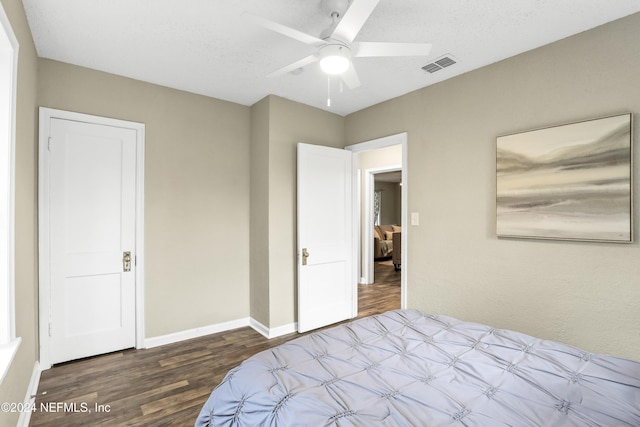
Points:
(439, 64)
(432, 67)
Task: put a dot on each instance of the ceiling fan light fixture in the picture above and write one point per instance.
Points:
(334, 64)
(335, 59)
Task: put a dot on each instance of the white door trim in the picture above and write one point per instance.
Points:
(46, 114)
(9, 48)
(369, 189)
(397, 139)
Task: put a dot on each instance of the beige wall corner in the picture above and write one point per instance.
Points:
(289, 123)
(259, 265)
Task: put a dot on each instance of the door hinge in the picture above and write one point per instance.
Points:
(49, 144)
(49, 328)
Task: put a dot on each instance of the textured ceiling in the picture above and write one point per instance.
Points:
(208, 47)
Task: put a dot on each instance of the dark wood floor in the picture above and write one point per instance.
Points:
(167, 386)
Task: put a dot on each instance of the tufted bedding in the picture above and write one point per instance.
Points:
(407, 368)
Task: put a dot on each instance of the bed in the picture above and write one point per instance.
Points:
(408, 368)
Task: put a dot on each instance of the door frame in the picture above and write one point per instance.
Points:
(44, 278)
(8, 89)
(397, 139)
(367, 261)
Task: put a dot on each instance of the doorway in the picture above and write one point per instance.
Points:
(325, 234)
(366, 188)
(382, 219)
(90, 235)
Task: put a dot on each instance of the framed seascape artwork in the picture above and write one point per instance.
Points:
(569, 182)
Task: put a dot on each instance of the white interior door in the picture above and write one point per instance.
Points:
(327, 283)
(92, 214)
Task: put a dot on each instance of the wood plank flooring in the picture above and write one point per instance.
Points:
(167, 386)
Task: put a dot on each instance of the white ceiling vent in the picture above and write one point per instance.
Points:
(440, 63)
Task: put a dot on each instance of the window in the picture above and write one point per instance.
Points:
(8, 71)
(377, 205)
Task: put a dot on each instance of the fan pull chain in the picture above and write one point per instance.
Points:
(341, 89)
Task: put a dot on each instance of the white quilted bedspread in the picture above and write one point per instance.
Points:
(407, 368)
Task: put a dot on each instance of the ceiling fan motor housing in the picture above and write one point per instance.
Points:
(331, 7)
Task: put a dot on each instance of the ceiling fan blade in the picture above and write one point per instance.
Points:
(350, 77)
(294, 66)
(353, 19)
(365, 49)
(284, 30)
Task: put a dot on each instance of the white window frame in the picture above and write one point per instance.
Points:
(8, 84)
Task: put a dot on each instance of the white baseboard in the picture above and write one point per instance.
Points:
(195, 333)
(221, 327)
(30, 397)
(259, 327)
(273, 332)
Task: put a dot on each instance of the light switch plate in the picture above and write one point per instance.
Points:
(415, 218)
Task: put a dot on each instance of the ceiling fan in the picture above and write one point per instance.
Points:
(336, 46)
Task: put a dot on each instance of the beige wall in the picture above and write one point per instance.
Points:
(259, 266)
(390, 198)
(290, 123)
(198, 198)
(585, 294)
(196, 191)
(14, 387)
(379, 158)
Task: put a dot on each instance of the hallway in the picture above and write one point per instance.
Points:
(384, 294)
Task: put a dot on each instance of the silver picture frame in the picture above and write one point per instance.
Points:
(568, 182)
